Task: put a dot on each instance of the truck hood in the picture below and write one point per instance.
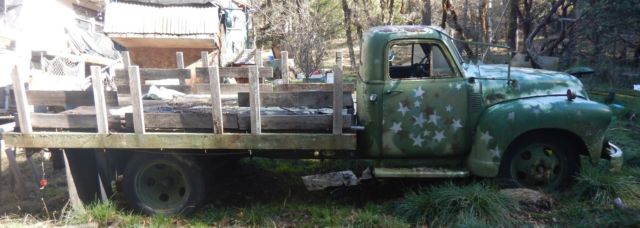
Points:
(491, 82)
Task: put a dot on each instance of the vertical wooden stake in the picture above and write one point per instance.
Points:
(136, 100)
(204, 57)
(74, 198)
(99, 100)
(179, 60)
(284, 67)
(13, 165)
(22, 105)
(126, 61)
(216, 104)
(254, 96)
(337, 95)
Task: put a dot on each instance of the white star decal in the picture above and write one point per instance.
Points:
(486, 137)
(417, 104)
(396, 127)
(496, 151)
(449, 108)
(403, 109)
(511, 116)
(456, 124)
(419, 120)
(418, 92)
(536, 110)
(426, 133)
(458, 86)
(417, 140)
(433, 118)
(439, 136)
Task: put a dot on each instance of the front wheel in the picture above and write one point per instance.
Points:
(163, 184)
(540, 162)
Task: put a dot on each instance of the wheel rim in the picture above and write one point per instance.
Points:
(538, 166)
(161, 186)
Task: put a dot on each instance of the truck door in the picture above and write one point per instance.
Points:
(424, 102)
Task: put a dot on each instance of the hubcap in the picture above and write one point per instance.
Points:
(161, 186)
(537, 166)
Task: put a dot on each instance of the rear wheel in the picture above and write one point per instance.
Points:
(540, 162)
(163, 184)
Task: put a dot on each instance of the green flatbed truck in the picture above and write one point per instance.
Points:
(416, 100)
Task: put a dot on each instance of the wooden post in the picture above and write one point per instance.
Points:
(13, 165)
(254, 96)
(216, 104)
(284, 67)
(204, 57)
(136, 99)
(179, 60)
(337, 95)
(22, 105)
(74, 198)
(126, 61)
(99, 101)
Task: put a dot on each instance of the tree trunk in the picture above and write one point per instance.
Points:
(426, 12)
(512, 25)
(534, 54)
(482, 18)
(465, 16)
(447, 9)
(347, 24)
(391, 5)
(383, 5)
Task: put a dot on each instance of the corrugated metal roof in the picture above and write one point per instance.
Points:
(172, 20)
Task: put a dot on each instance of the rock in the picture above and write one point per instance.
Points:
(531, 200)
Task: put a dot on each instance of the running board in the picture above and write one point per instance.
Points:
(418, 172)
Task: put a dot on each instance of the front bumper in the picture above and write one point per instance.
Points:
(612, 153)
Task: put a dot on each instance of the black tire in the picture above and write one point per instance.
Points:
(529, 163)
(163, 184)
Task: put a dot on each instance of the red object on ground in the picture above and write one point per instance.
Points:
(43, 183)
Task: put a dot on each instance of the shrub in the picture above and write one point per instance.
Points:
(477, 203)
(600, 187)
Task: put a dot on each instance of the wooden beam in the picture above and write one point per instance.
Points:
(70, 121)
(230, 89)
(125, 89)
(122, 77)
(126, 60)
(295, 122)
(318, 99)
(216, 103)
(233, 72)
(204, 57)
(266, 141)
(182, 121)
(285, 67)
(337, 92)
(136, 100)
(179, 60)
(22, 105)
(74, 197)
(308, 87)
(254, 96)
(99, 101)
(70, 98)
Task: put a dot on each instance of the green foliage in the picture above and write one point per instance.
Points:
(476, 203)
(574, 213)
(595, 184)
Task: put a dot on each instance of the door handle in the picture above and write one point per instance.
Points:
(394, 91)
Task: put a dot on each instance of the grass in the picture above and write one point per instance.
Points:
(476, 203)
(598, 186)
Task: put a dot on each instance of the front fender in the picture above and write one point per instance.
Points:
(501, 124)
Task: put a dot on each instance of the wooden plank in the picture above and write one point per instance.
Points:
(231, 141)
(295, 122)
(301, 87)
(74, 198)
(295, 99)
(204, 57)
(70, 121)
(216, 103)
(70, 98)
(285, 67)
(179, 60)
(136, 100)
(183, 120)
(126, 60)
(233, 72)
(21, 101)
(99, 101)
(126, 89)
(254, 97)
(230, 89)
(337, 100)
(122, 77)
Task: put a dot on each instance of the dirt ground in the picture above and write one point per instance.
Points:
(28, 201)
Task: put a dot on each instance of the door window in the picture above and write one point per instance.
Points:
(418, 60)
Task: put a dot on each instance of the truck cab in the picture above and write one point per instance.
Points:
(418, 99)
